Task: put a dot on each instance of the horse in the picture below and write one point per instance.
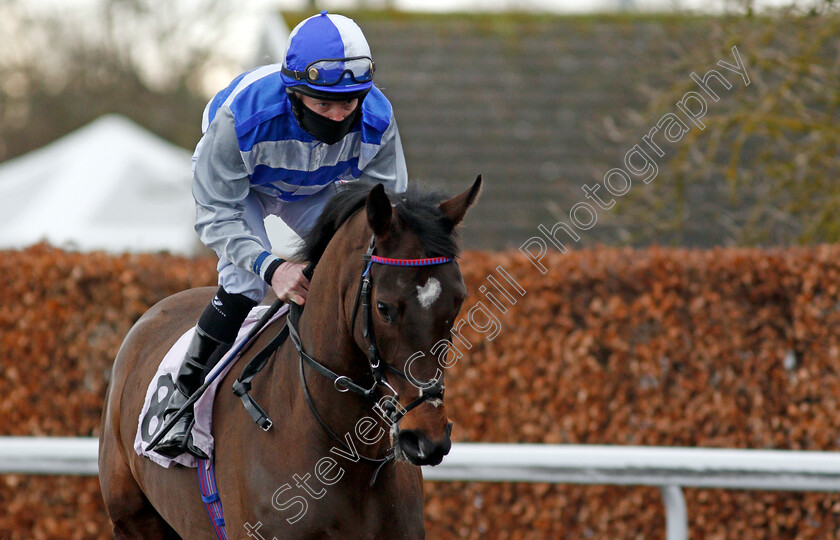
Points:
(330, 467)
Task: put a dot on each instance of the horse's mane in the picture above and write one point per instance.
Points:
(417, 208)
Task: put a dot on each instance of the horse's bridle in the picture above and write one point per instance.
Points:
(378, 367)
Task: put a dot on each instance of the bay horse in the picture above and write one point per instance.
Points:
(265, 478)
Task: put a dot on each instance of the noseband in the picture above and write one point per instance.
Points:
(378, 367)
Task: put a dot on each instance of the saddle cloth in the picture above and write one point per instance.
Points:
(157, 395)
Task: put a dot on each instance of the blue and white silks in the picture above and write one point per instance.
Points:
(255, 160)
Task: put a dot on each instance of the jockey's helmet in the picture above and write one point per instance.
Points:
(328, 57)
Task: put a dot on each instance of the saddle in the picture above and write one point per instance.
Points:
(150, 420)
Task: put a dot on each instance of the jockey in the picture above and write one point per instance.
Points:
(280, 139)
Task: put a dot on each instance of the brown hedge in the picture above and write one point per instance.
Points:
(727, 348)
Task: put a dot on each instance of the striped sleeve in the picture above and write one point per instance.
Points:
(220, 186)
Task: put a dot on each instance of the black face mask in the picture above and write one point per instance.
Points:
(322, 128)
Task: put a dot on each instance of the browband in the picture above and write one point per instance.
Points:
(428, 261)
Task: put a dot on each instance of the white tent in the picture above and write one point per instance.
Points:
(111, 186)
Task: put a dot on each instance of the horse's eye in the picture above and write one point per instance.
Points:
(384, 311)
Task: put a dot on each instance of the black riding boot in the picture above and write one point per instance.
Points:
(190, 377)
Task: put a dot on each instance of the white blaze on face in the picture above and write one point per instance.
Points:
(428, 293)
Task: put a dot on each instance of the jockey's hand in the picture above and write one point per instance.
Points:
(289, 283)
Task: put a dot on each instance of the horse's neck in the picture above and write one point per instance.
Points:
(325, 336)
(324, 328)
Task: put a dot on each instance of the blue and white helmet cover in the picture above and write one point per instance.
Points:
(323, 36)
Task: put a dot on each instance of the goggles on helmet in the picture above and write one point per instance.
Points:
(330, 71)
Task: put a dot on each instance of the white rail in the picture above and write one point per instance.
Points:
(785, 470)
(670, 469)
(49, 455)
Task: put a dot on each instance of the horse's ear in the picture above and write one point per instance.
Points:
(378, 210)
(456, 208)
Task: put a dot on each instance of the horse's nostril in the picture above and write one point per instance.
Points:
(426, 447)
(420, 450)
(409, 442)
